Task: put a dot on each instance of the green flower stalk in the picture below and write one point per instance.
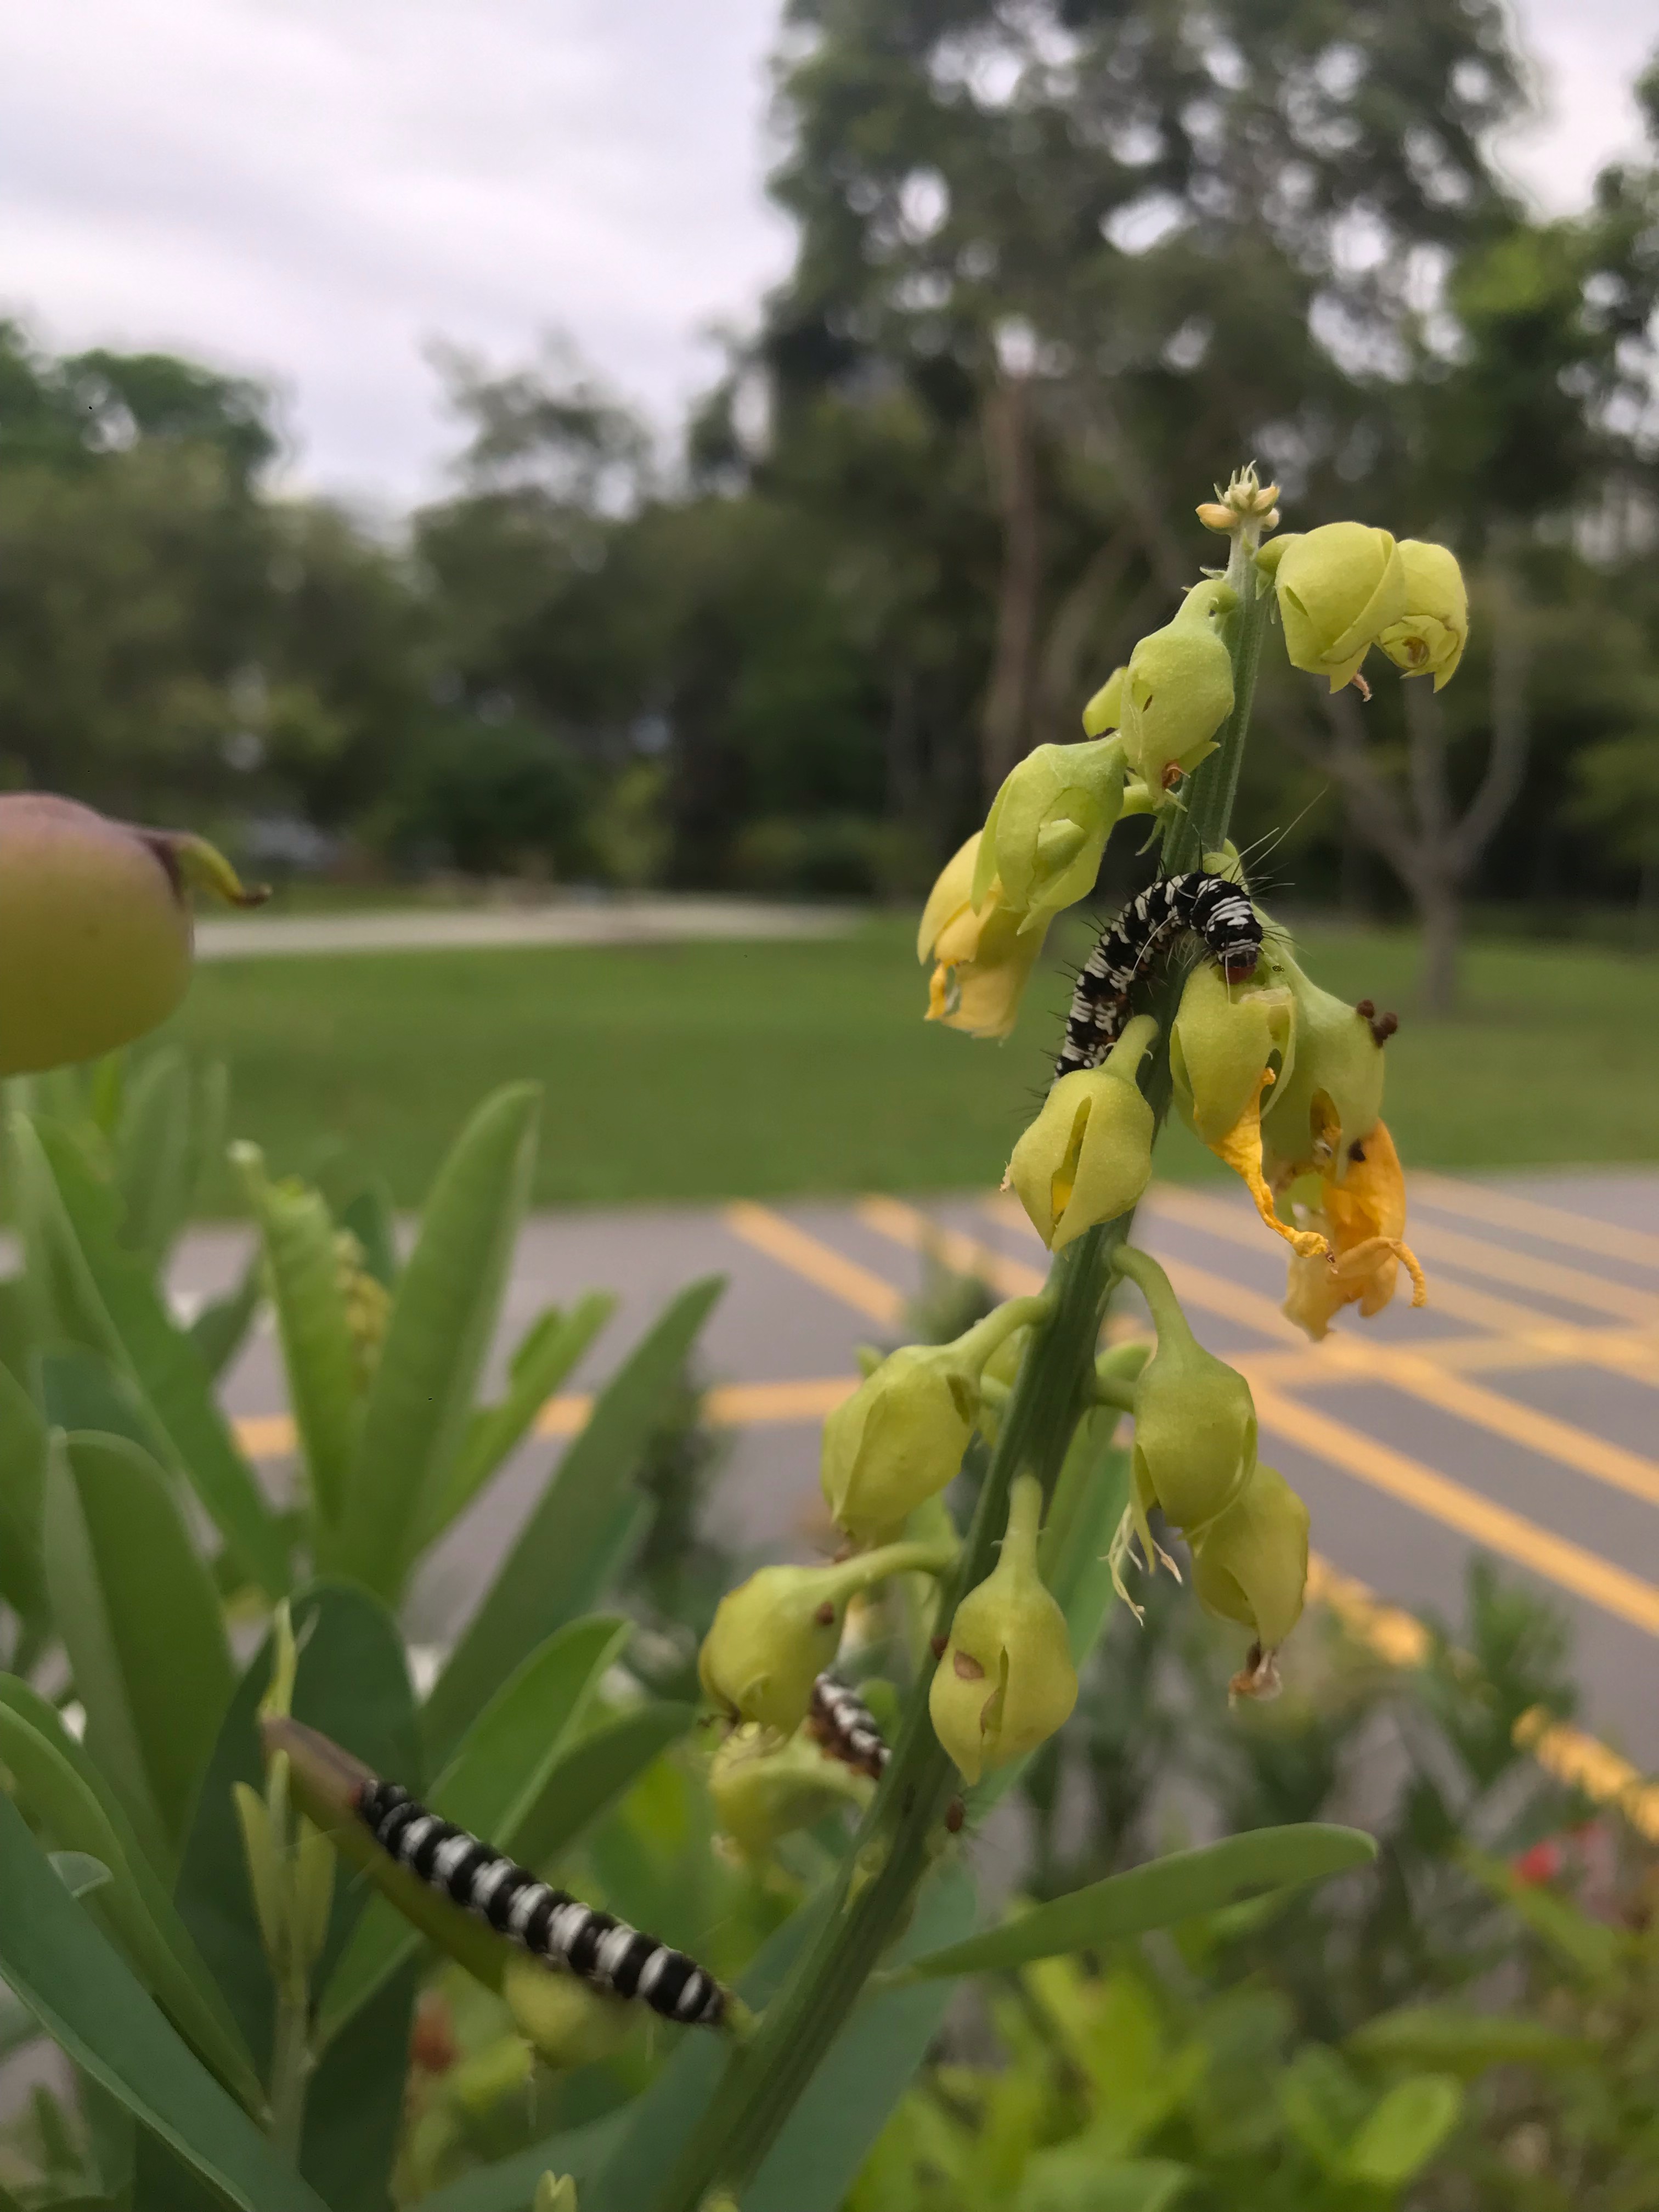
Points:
(899, 1439)
(1006, 1680)
(1088, 1155)
(774, 1635)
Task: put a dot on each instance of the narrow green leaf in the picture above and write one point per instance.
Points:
(1397, 2140)
(140, 1621)
(154, 1154)
(443, 1318)
(368, 1214)
(550, 1574)
(298, 1234)
(550, 1348)
(1588, 1947)
(220, 1327)
(84, 1995)
(1079, 2176)
(353, 1684)
(1448, 2038)
(495, 1779)
(106, 1301)
(509, 2185)
(594, 1773)
(55, 1780)
(79, 1390)
(1160, 1894)
(355, 2103)
(22, 1487)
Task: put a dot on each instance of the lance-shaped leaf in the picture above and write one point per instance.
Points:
(220, 1327)
(546, 1352)
(85, 1995)
(22, 1486)
(496, 1777)
(1160, 1894)
(298, 1234)
(170, 1123)
(444, 1316)
(140, 1619)
(553, 1573)
(104, 1298)
(57, 1782)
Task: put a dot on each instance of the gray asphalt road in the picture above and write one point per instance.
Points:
(1514, 1415)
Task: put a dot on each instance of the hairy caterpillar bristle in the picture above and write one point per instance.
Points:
(1216, 910)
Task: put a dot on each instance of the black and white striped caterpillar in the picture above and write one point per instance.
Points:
(842, 1724)
(1214, 908)
(606, 1952)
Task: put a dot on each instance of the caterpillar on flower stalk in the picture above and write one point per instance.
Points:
(604, 1951)
(841, 1723)
(1214, 908)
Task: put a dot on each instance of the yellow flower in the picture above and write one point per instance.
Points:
(1240, 1148)
(1333, 1093)
(1006, 1681)
(1225, 1036)
(1340, 587)
(981, 956)
(1105, 710)
(1428, 638)
(1178, 689)
(1048, 828)
(1365, 1216)
(1196, 1425)
(1088, 1155)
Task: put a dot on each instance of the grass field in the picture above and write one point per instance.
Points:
(705, 1071)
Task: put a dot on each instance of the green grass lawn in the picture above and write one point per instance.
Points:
(707, 1071)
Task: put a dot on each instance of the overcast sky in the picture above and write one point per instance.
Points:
(311, 189)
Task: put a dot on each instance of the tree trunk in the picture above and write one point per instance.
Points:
(1442, 910)
(1005, 729)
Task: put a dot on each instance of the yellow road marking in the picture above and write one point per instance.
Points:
(265, 1436)
(1507, 1209)
(919, 1232)
(817, 1262)
(1550, 1277)
(1558, 1559)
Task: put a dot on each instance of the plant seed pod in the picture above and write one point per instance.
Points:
(1048, 828)
(1178, 689)
(770, 1639)
(1251, 1564)
(764, 1791)
(1333, 1093)
(1340, 587)
(1428, 638)
(1196, 1427)
(982, 957)
(1088, 1155)
(1225, 1035)
(1006, 1681)
(94, 928)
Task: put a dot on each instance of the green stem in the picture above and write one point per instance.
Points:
(897, 1842)
(290, 2071)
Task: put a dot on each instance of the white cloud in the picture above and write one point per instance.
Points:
(310, 190)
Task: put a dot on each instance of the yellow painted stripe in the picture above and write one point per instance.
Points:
(1557, 1225)
(889, 1217)
(1550, 1277)
(265, 1436)
(817, 1262)
(1510, 1534)
(1399, 1637)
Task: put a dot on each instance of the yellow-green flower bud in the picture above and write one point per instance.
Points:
(555, 2192)
(1196, 1428)
(1251, 1564)
(1088, 1155)
(983, 954)
(368, 1304)
(772, 1636)
(1048, 828)
(762, 1789)
(94, 928)
(1224, 1036)
(1006, 1681)
(1428, 638)
(1331, 1094)
(1340, 587)
(1105, 710)
(899, 1439)
(569, 2023)
(1178, 689)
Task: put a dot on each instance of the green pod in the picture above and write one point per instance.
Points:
(1224, 1036)
(762, 1790)
(1196, 1427)
(1428, 638)
(1251, 1564)
(1006, 1681)
(1088, 1155)
(770, 1639)
(1332, 1095)
(95, 937)
(1340, 587)
(1178, 689)
(1048, 827)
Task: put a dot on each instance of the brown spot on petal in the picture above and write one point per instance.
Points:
(1384, 1027)
(955, 1814)
(1357, 1152)
(967, 1669)
(825, 1615)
